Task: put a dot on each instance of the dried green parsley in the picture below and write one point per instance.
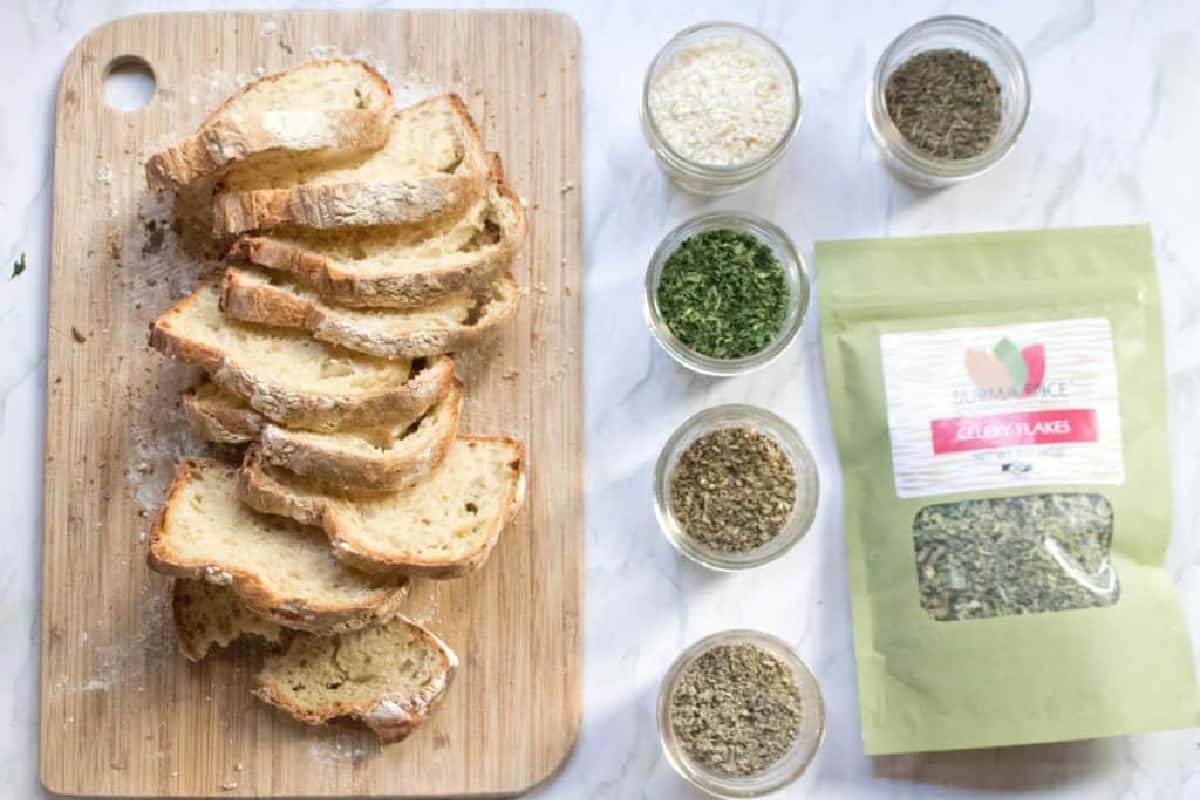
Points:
(723, 294)
(733, 489)
(736, 709)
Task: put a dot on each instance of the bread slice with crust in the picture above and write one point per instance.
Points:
(450, 324)
(207, 616)
(391, 677)
(383, 458)
(292, 379)
(285, 571)
(400, 266)
(443, 526)
(221, 417)
(330, 107)
(433, 166)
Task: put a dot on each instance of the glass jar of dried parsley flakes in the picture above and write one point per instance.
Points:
(735, 487)
(740, 714)
(947, 101)
(726, 292)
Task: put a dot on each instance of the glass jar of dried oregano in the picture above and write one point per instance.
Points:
(735, 487)
(740, 714)
(947, 101)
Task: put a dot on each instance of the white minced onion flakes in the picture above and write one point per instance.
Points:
(721, 102)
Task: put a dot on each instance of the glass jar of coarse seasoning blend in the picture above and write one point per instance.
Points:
(720, 106)
(740, 714)
(735, 487)
(947, 101)
(726, 293)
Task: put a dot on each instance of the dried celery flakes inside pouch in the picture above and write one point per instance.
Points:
(999, 408)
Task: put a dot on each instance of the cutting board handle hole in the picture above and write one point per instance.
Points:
(128, 83)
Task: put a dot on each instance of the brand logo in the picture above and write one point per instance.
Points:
(1008, 371)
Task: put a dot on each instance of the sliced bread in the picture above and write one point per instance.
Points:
(292, 379)
(221, 417)
(283, 570)
(400, 266)
(433, 166)
(443, 526)
(450, 324)
(391, 677)
(383, 458)
(331, 107)
(207, 616)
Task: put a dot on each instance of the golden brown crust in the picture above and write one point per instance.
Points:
(219, 143)
(289, 612)
(391, 717)
(354, 472)
(261, 492)
(279, 306)
(307, 410)
(401, 289)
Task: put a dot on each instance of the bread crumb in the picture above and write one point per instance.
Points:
(77, 335)
(510, 374)
(238, 767)
(229, 787)
(568, 186)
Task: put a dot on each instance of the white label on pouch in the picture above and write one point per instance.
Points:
(1029, 404)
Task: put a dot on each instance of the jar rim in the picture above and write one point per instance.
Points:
(731, 172)
(901, 148)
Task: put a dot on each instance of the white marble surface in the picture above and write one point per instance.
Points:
(1114, 136)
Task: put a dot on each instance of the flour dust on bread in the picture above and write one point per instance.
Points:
(376, 459)
(450, 324)
(400, 266)
(328, 108)
(390, 676)
(208, 616)
(432, 167)
(443, 526)
(292, 379)
(283, 570)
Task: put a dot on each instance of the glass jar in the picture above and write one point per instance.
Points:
(784, 771)
(955, 33)
(711, 179)
(789, 441)
(794, 276)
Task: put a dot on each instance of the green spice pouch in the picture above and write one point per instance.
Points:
(998, 402)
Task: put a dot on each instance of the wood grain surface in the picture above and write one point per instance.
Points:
(122, 714)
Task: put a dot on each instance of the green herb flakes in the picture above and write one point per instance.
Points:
(723, 294)
(18, 266)
(736, 710)
(1015, 555)
(733, 489)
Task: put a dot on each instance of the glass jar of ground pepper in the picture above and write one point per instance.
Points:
(947, 101)
(735, 487)
(726, 293)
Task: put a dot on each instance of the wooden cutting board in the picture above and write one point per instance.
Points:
(122, 713)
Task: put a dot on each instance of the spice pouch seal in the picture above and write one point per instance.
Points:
(999, 407)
